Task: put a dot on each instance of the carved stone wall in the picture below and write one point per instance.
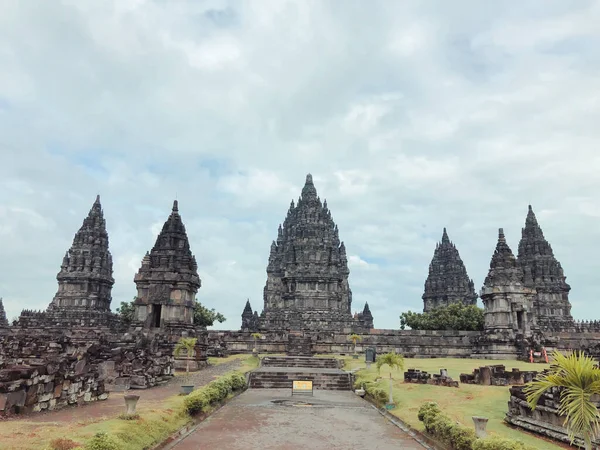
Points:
(545, 420)
(49, 369)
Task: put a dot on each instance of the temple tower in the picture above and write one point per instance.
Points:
(3, 319)
(249, 318)
(544, 273)
(168, 280)
(307, 275)
(85, 279)
(447, 281)
(508, 305)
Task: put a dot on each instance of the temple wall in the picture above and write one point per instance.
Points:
(412, 343)
(47, 369)
(544, 420)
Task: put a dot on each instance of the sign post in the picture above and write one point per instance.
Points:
(302, 387)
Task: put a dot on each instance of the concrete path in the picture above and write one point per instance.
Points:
(273, 419)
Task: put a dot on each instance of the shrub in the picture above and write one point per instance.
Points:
(454, 435)
(63, 444)
(201, 399)
(459, 437)
(498, 443)
(197, 402)
(102, 441)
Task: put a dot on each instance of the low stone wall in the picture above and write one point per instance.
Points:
(411, 343)
(50, 369)
(545, 420)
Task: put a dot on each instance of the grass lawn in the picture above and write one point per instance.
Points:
(459, 404)
(158, 420)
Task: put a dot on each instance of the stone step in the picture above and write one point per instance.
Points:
(274, 380)
(294, 361)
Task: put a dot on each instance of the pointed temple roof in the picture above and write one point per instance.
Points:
(88, 261)
(3, 319)
(448, 281)
(503, 266)
(308, 241)
(247, 309)
(171, 251)
(540, 268)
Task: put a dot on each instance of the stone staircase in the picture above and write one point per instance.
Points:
(278, 372)
(299, 345)
(276, 379)
(300, 361)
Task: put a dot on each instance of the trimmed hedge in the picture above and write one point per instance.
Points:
(378, 394)
(202, 399)
(459, 437)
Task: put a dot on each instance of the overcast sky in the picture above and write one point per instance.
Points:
(411, 116)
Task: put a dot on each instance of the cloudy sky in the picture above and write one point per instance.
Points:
(411, 116)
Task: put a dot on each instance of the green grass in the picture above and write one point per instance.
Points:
(158, 420)
(459, 404)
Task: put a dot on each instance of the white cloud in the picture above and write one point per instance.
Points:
(410, 116)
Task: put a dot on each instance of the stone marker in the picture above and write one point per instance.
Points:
(480, 424)
(131, 402)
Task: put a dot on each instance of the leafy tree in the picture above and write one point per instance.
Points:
(187, 345)
(126, 310)
(393, 360)
(256, 336)
(206, 317)
(579, 378)
(455, 316)
(354, 338)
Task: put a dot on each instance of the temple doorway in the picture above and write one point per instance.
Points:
(156, 313)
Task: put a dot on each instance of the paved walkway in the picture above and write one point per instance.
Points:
(270, 419)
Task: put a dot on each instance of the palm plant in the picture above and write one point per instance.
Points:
(187, 345)
(579, 379)
(393, 360)
(256, 336)
(354, 338)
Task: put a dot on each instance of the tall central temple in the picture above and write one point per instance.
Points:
(307, 275)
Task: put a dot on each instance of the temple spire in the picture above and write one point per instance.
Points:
(448, 281)
(503, 266)
(543, 272)
(3, 319)
(85, 278)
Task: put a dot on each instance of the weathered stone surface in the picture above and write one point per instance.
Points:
(84, 282)
(82, 369)
(545, 419)
(307, 276)
(542, 272)
(508, 306)
(447, 282)
(168, 280)
(3, 319)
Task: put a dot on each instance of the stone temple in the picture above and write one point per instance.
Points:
(542, 272)
(447, 281)
(168, 280)
(85, 279)
(307, 275)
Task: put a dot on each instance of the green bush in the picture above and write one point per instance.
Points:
(498, 443)
(201, 399)
(459, 437)
(102, 441)
(454, 435)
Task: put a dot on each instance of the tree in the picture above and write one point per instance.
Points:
(393, 360)
(126, 311)
(578, 377)
(256, 336)
(354, 338)
(455, 316)
(187, 345)
(206, 317)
